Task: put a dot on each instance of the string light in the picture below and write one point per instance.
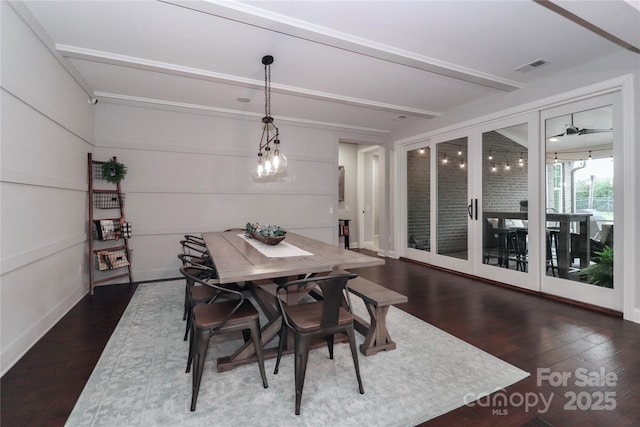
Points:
(490, 155)
(493, 167)
(459, 151)
(462, 163)
(507, 166)
(445, 160)
(556, 159)
(589, 154)
(521, 161)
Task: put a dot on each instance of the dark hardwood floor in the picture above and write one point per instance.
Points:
(525, 330)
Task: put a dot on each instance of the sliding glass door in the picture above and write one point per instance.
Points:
(504, 227)
(452, 198)
(532, 201)
(581, 183)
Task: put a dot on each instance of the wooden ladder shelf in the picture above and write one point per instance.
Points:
(109, 252)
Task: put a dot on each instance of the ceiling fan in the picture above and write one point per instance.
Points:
(573, 130)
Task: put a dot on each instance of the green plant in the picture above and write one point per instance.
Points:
(264, 230)
(524, 203)
(601, 273)
(113, 171)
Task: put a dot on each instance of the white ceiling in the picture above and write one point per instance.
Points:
(352, 63)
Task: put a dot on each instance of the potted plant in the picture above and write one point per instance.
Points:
(524, 205)
(113, 171)
(601, 273)
(269, 234)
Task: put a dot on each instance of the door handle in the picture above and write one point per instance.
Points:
(472, 209)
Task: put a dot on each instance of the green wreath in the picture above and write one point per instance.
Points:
(113, 171)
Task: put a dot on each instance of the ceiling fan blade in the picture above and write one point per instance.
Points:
(586, 131)
(571, 130)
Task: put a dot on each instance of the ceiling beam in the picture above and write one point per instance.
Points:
(264, 19)
(73, 52)
(553, 6)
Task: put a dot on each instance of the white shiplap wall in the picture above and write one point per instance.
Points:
(189, 171)
(47, 130)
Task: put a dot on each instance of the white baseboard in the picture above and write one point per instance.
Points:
(14, 351)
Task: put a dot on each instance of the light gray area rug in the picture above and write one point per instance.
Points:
(140, 379)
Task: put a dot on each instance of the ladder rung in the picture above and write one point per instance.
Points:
(109, 279)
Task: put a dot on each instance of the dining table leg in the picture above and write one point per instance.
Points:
(246, 353)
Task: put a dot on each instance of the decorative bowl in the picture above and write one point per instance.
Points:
(268, 240)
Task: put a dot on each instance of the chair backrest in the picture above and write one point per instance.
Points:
(490, 238)
(189, 247)
(196, 251)
(521, 241)
(334, 292)
(200, 274)
(198, 240)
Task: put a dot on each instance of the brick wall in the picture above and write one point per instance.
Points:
(418, 198)
(452, 197)
(503, 189)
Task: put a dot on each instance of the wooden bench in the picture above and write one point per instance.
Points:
(377, 299)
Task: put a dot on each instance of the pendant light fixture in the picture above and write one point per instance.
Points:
(271, 161)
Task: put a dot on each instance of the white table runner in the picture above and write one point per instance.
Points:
(281, 250)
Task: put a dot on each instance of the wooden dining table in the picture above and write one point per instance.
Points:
(563, 230)
(239, 259)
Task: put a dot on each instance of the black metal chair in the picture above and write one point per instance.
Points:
(322, 318)
(195, 295)
(552, 248)
(194, 252)
(194, 239)
(198, 252)
(231, 315)
(519, 248)
(491, 245)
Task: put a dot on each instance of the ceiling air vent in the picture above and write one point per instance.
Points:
(531, 65)
(400, 117)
